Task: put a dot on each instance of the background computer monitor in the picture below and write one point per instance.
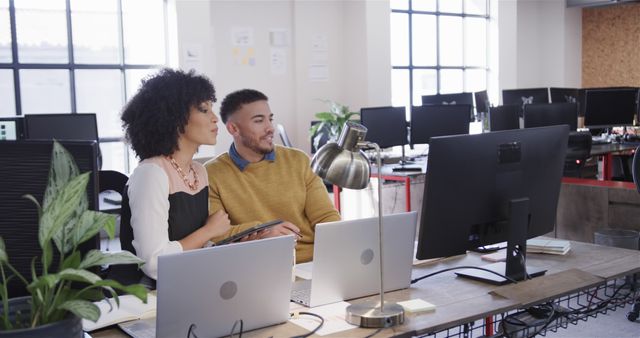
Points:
(560, 95)
(386, 126)
(438, 120)
(605, 108)
(11, 128)
(61, 127)
(525, 96)
(473, 179)
(454, 98)
(24, 169)
(551, 114)
(504, 117)
(482, 101)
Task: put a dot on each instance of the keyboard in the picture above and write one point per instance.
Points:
(600, 140)
(145, 328)
(301, 292)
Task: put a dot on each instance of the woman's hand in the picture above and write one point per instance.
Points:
(218, 224)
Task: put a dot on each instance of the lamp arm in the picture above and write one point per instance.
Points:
(380, 240)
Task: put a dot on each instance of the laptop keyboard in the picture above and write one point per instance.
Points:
(139, 329)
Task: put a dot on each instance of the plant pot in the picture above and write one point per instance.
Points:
(71, 327)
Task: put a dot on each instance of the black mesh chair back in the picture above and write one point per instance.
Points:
(112, 180)
(578, 151)
(635, 168)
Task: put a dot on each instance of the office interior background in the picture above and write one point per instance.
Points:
(59, 56)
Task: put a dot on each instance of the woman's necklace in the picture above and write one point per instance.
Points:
(193, 186)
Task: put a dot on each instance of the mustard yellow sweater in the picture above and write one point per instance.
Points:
(283, 189)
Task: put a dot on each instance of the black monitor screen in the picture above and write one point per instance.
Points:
(610, 107)
(24, 169)
(525, 96)
(386, 126)
(472, 180)
(438, 120)
(455, 98)
(504, 117)
(11, 128)
(61, 127)
(551, 114)
(560, 95)
(482, 101)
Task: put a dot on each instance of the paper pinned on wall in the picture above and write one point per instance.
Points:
(319, 73)
(192, 55)
(242, 36)
(278, 61)
(278, 37)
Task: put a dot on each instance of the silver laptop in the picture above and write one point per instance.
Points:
(210, 290)
(345, 259)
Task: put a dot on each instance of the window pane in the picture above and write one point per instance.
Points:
(475, 49)
(7, 99)
(5, 32)
(101, 92)
(400, 87)
(399, 4)
(475, 80)
(399, 39)
(113, 156)
(451, 81)
(425, 82)
(450, 6)
(41, 28)
(95, 31)
(450, 41)
(475, 7)
(424, 5)
(45, 91)
(143, 43)
(424, 40)
(134, 78)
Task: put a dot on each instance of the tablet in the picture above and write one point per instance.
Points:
(249, 231)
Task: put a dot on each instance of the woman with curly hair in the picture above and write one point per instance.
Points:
(165, 207)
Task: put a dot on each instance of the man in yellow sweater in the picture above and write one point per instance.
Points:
(256, 182)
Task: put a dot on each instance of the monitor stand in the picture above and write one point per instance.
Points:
(515, 266)
(402, 164)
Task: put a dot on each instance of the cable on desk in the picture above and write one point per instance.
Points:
(462, 267)
(295, 315)
(233, 328)
(374, 333)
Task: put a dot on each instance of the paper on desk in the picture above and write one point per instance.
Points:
(303, 270)
(333, 315)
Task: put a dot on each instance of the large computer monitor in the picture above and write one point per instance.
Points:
(455, 98)
(24, 169)
(386, 126)
(438, 120)
(11, 128)
(560, 95)
(551, 114)
(482, 101)
(61, 127)
(526, 96)
(488, 188)
(504, 117)
(604, 108)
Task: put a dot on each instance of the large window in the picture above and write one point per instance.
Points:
(438, 47)
(79, 56)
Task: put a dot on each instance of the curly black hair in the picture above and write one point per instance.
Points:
(235, 100)
(155, 117)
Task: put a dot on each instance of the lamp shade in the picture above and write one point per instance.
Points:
(343, 163)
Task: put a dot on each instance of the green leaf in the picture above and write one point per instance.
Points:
(48, 281)
(59, 211)
(3, 252)
(35, 201)
(90, 224)
(137, 290)
(82, 308)
(72, 261)
(325, 116)
(79, 275)
(63, 169)
(97, 257)
(47, 254)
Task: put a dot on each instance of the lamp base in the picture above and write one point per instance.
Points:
(366, 315)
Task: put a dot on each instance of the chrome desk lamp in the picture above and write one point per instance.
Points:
(345, 164)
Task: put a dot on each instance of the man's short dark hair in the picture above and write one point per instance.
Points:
(234, 101)
(154, 118)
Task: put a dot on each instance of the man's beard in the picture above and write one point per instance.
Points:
(255, 145)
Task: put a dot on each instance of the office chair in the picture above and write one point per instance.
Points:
(578, 151)
(283, 136)
(635, 169)
(504, 117)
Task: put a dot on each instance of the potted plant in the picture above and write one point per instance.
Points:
(59, 300)
(331, 122)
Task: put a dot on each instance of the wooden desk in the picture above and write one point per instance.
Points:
(461, 301)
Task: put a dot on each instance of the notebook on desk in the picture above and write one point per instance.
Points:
(211, 289)
(345, 259)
